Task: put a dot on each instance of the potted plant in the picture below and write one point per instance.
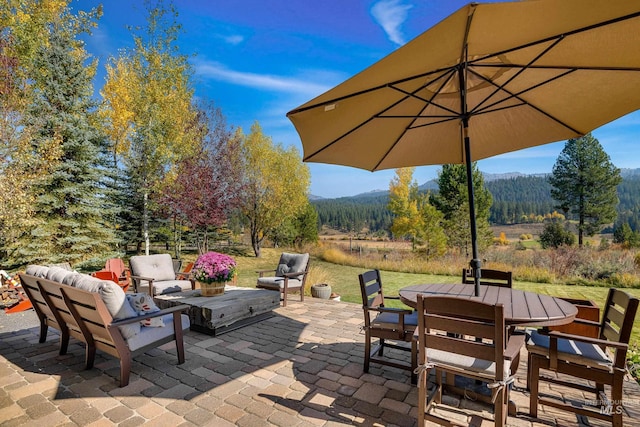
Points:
(213, 270)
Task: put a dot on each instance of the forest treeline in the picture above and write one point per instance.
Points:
(522, 199)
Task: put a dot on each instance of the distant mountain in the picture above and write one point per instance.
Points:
(508, 175)
(515, 196)
(372, 193)
(630, 173)
(432, 185)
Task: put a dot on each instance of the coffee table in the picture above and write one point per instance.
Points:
(236, 308)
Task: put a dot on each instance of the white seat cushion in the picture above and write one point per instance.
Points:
(571, 351)
(462, 363)
(147, 336)
(278, 283)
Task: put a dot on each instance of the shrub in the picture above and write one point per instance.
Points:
(335, 256)
(554, 236)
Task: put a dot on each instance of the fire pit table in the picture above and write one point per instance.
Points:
(236, 308)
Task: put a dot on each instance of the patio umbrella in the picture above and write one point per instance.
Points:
(489, 79)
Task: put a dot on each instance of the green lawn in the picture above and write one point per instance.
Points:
(344, 281)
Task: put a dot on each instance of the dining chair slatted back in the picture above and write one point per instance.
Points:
(591, 363)
(385, 323)
(467, 338)
(489, 277)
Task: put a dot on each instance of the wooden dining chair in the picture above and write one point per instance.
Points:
(448, 329)
(489, 277)
(391, 326)
(599, 361)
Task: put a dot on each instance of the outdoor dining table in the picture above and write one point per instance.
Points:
(521, 308)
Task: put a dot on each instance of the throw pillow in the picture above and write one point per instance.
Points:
(143, 304)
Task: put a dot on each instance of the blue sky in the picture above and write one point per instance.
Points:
(259, 59)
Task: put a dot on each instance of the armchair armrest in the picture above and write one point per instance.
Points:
(183, 275)
(620, 348)
(293, 275)
(137, 279)
(162, 312)
(261, 272)
(389, 310)
(514, 345)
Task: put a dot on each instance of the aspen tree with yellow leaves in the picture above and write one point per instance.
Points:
(275, 184)
(148, 111)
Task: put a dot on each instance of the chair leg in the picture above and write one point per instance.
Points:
(414, 360)
(89, 356)
(43, 332)
(533, 378)
(616, 399)
(499, 408)
(422, 397)
(125, 370)
(64, 341)
(367, 352)
(284, 298)
(381, 349)
(177, 329)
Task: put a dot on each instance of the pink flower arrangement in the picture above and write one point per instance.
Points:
(214, 267)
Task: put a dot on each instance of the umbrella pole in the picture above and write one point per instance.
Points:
(475, 261)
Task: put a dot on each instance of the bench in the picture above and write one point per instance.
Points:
(97, 313)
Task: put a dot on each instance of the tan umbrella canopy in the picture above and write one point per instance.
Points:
(532, 72)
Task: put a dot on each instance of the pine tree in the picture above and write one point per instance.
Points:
(70, 206)
(453, 201)
(584, 184)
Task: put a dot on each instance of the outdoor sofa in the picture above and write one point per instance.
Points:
(99, 314)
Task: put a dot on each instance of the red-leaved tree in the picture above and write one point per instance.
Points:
(205, 187)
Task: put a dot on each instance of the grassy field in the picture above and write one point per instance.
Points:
(344, 281)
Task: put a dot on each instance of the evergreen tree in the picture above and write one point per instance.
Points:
(453, 201)
(70, 207)
(584, 184)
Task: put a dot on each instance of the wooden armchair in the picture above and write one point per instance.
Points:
(489, 277)
(598, 361)
(467, 338)
(289, 277)
(157, 273)
(385, 323)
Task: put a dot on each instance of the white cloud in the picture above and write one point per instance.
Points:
(234, 39)
(390, 15)
(299, 86)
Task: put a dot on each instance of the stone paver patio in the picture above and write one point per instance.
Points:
(302, 367)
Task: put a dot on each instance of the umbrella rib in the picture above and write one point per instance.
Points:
(516, 96)
(372, 89)
(377, 115)
(566, 34)
(475, 61)
(427, 101)
(409, 126)
(518, 73)
(557, 67)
